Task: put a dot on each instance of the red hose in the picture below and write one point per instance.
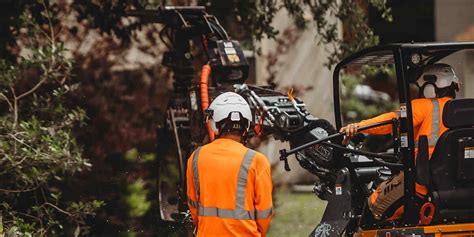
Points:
(259, 126)
(426, 219)
(205, 73)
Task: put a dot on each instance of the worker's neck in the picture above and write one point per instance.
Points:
(234, 137)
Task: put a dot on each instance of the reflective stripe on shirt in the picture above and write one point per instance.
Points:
(434, 123)
(192, 203)
(195, 171)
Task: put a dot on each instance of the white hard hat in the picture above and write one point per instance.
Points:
(229, 105)
(436, 76)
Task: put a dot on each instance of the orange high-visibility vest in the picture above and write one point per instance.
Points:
(229, 190)
(427, 120)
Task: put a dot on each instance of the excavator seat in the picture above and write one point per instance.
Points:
(449, 174)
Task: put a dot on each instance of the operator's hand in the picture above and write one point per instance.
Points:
(350, 131)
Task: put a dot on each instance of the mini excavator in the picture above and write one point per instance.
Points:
(346, 176)
(448, 209)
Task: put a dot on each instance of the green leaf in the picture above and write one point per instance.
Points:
(136, 199)
(131, 155)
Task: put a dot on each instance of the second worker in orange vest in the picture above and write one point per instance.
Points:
(437, 85)
(229, 186)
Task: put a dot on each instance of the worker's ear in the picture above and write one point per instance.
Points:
(455, 86)
(214, 127)
(429, 91)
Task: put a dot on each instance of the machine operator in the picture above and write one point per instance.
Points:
(437, 84)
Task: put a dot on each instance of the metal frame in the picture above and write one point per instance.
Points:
(399, 55)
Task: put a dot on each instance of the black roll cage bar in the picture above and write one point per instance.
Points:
(406, 72)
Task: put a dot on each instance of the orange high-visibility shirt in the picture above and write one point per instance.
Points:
(233, 195)
(427, 120)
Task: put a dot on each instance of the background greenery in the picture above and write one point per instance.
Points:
(296, 214)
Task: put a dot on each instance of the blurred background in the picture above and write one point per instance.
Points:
(83, 99)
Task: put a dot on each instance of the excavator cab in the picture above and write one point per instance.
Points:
(448, 208)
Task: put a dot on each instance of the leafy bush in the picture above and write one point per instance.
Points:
(355, 108)
(37, 147)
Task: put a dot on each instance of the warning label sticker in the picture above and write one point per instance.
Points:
(338, 189)
(230, 51)
(403, 110)
(228, 44)
(469, 152)
(404, 140)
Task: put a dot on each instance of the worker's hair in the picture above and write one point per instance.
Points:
(449, 91)
(227, 126)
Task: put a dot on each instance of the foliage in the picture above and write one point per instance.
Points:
(37, 146)
(247, 19)
(136, 199)
(357, 34)
(356, 108)
(252, 20)
(124, 91)
(257, 17)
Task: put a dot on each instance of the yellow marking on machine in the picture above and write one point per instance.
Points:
(451, 230)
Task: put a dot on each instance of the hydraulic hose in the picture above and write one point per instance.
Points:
(204, 88)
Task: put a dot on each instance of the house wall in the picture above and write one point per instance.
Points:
(299, 65)
(454, 21)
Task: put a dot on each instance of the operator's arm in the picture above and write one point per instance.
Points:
(263, 193)
(191, 190)
(351, 130)
(420, 108)
(386, 129)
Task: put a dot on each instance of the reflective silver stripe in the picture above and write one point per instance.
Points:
(434, 123)
(242, 180)
(239, 213)
(195, 173)
(226, 213)
(265, 213)
(234, 214)
(194, 204)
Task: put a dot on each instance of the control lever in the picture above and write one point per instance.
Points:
(285, 153)
(284, 158)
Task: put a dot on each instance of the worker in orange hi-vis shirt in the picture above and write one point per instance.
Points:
(438, 84)
(229, 186)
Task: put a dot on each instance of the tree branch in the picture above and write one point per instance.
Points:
(7, 100)
(32, 89)
(15, 108)
(18, 190)
(57, 208)
(53, 37)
